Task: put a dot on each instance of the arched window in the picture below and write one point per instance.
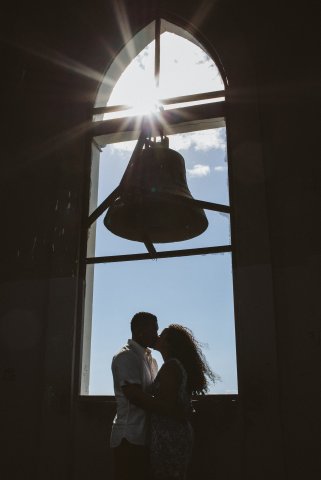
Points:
(188, 282)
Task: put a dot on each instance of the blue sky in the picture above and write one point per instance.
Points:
(194, 291)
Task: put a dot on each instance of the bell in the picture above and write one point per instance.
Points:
(154, 202)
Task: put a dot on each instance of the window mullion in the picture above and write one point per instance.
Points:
(179, 120)
(196, 97)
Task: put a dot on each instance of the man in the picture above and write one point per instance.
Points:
(133, 369)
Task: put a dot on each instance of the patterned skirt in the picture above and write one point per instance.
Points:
(170, 447)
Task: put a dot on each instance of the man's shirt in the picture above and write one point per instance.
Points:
(133, 364)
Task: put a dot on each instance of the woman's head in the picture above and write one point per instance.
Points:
(179, 342)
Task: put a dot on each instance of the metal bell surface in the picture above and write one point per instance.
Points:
(155, 203)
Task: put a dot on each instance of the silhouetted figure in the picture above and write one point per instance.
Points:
(184, 373)
(133, 367)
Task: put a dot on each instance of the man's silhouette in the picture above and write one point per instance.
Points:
(132, 366)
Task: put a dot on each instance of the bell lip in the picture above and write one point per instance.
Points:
(120, 220)
(157, 240)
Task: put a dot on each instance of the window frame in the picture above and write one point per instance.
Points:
(102, 132)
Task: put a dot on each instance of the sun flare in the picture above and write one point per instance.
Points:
(145, 102)
(185, 69)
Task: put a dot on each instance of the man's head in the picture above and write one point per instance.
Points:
(144, 329)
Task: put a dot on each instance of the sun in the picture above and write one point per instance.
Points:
(184, 69)
(146, 101)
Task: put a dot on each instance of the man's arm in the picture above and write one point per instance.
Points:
(166, 401)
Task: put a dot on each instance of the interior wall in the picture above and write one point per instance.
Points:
(54, 57)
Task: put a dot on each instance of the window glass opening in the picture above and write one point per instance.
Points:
(196, 291)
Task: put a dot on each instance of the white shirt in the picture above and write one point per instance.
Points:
(133, 364)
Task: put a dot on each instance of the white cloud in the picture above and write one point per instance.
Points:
(203, 140)
(123, 147)
(200, 141)
(199, 171)
(220, 168)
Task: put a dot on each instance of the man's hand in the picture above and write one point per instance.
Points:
(134, 393)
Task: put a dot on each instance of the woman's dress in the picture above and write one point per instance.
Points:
(171, 438)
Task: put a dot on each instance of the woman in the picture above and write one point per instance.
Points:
(184, 373)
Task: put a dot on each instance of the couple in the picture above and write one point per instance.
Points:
(151, 435)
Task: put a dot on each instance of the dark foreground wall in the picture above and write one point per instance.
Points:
(270, 56)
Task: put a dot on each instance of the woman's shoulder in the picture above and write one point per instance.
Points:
(173, 367)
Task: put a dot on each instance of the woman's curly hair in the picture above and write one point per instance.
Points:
(187, 350)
